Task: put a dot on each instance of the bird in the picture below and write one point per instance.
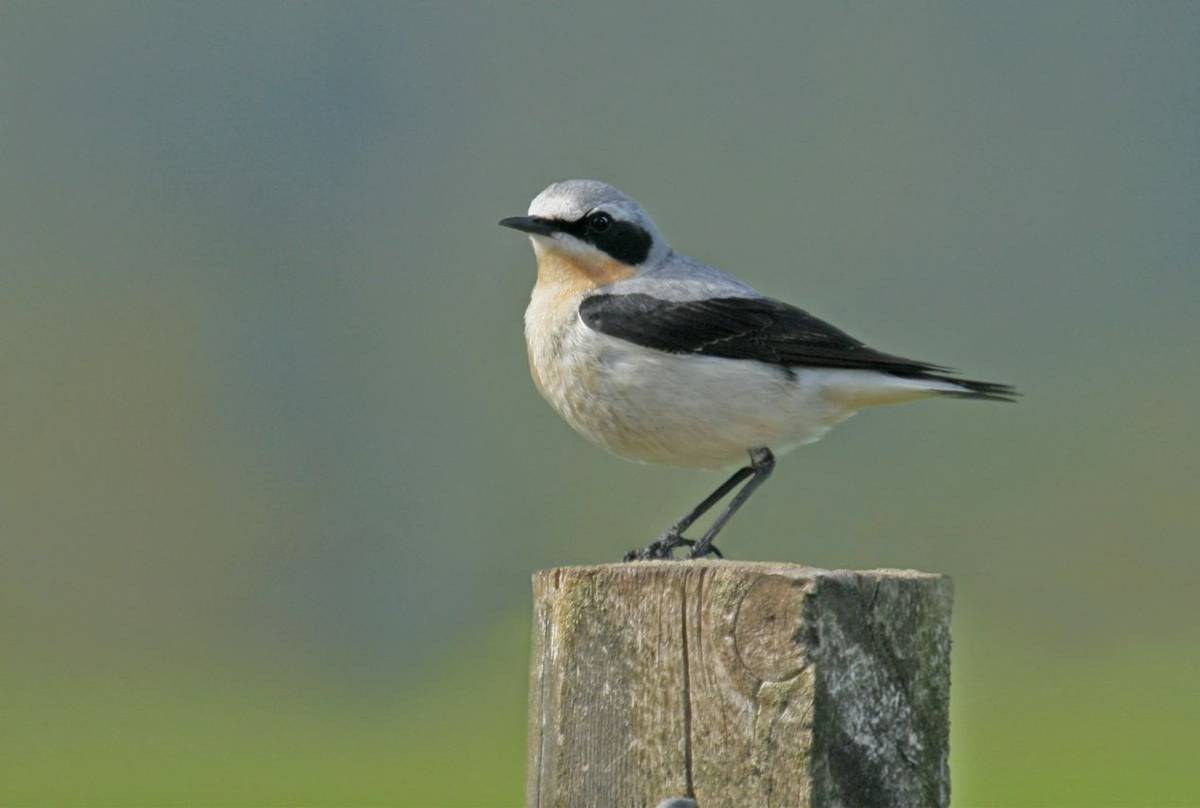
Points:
(660, 358)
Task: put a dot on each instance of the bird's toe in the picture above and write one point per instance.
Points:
(704, 551)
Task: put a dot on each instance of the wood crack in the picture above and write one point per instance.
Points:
(687, 696)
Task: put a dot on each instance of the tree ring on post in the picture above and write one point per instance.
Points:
(769, 619)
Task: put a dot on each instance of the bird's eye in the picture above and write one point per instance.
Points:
(599, 222)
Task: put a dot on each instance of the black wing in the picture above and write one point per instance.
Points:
(755, 328)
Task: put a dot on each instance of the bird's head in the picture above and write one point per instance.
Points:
(587, 220)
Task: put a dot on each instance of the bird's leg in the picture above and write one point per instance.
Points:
(673, 537)
(762, 463)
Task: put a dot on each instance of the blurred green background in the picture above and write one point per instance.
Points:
(274, 477)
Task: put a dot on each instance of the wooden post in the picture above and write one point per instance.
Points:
(738, 684)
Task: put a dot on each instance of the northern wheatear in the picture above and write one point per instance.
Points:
(662, 359)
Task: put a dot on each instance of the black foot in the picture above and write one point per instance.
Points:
(663, 548)
(658, 550)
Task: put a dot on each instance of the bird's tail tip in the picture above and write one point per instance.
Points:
(981, 391)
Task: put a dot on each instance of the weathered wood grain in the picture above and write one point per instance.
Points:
(738, 684)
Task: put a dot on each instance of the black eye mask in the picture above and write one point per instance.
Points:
(624, 241)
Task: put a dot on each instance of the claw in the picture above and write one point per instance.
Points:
(658, 549)
(709, 550)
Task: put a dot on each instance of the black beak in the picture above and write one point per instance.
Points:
(531, 224)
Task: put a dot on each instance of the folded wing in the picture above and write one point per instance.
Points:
(760, 329)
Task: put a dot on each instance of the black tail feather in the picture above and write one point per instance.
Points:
(980, 391)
